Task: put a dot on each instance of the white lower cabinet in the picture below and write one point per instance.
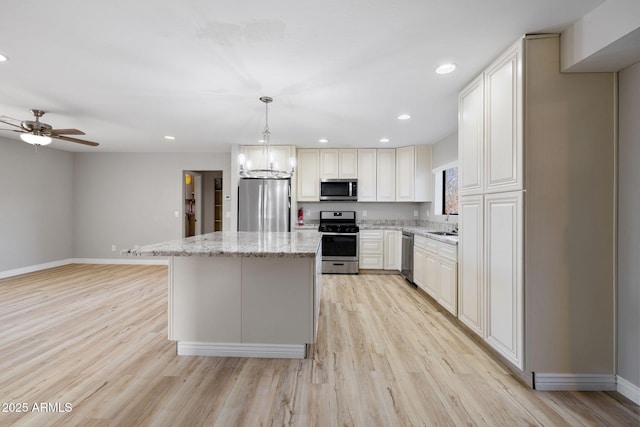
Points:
(392, 249)
(380, 249)
(503, 218)
(435, 270)
(371, 249)
(471, 260)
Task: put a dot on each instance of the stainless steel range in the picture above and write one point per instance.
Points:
(339, 242)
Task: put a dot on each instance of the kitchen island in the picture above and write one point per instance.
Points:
(242, 294)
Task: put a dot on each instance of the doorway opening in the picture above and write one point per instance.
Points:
(202, 195)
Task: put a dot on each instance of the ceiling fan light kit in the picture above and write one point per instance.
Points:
(34, 139)
(37, 133)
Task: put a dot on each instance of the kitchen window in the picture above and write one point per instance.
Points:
(446, 189)
(450, 191)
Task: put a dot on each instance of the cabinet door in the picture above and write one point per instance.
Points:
(367, 175)
(386, 175)
(471, 138)
(419, 267)
(471, 251)
(448, 275)
(392, 249)
(348, 163)
(329, 163)
(503, 274)
(432, 275)
(308, 175)
(405, 174)
(503, 122)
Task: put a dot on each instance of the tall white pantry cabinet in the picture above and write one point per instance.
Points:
(536, 152)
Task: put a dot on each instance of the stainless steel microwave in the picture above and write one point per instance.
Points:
(338, 190)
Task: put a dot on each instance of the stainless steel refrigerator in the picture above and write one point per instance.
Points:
(264, 204)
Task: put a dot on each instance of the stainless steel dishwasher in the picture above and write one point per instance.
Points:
(406, 269)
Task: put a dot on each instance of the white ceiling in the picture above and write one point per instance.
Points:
(129, 72)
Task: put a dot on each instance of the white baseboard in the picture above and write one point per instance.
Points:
(32, 268)
(123, 261)
(628, 390)
(575, 382)
(59, 263)
(275, 351)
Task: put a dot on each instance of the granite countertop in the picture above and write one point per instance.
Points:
(297, 244)
(417, 230)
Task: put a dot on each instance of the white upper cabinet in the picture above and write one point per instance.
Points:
(329, 163)
(308, 172)
(405, 171)
(338, 163)
(471, 138)
(367, 175)
(503, 122)
(348, 163)
(386, 175)
(413, 174)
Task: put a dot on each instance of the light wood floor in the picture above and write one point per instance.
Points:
(94, 336)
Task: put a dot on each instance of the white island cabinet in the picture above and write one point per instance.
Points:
(243, 294)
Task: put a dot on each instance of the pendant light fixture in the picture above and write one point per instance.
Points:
(272, 169)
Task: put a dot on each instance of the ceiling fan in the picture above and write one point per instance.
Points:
(36, 132)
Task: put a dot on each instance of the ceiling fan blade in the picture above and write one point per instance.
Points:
(66, 132)
(14, 130)
(79, 141)
(10, 121)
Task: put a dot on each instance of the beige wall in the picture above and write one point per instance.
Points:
(628, 289)
(569, 222)
(128, 199)
(36, 205)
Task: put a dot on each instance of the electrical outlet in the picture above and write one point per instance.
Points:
(307, 212)
(227, 214)
(177, 214)
(113, 248)
(415, 212)
(364, 213)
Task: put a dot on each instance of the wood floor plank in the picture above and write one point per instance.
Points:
(94, 336)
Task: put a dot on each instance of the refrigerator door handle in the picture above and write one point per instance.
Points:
(261, 206)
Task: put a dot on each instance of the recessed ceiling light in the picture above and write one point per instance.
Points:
(445, 68)
(384, 139)
(404, 117)
(323, 140)
(3, 58)
(169, 137)
(261, 141)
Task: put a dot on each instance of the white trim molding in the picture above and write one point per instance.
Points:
(628, 390)
(124, 261)
(59, 263)
(33, 268)
(277, 351)
(574, 382)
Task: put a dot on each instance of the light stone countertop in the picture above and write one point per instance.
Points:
(297, 244)
(420, 231)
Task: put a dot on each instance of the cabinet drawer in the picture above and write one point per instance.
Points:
(371, 261)
(371, 234)
(448, 251)
(419, 241)
(371, 246)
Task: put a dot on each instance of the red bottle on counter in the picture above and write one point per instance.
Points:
(300, 216)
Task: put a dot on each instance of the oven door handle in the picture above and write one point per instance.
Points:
(338, 234)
